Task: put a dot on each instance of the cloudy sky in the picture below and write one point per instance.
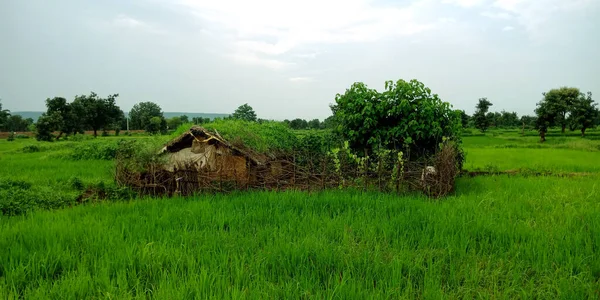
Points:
(289, 58)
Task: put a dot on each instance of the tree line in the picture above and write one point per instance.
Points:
(564, 107)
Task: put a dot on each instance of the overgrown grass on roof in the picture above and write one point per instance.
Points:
(268, 136)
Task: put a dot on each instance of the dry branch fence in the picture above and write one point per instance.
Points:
(299, 171)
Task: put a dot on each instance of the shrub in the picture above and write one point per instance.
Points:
(11, 137)
(76, 183)
(8, 183)
(406, 117)
(80, 137)
(31, 149)
(103, 150)
(18, 197)
(21, 136)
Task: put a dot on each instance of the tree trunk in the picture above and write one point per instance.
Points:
(583, 131)
(542, 136)
(564, 126)
(95, 132)
(59, 135)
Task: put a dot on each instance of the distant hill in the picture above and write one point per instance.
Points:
(36, 114)
(169, 115)
(28, 114)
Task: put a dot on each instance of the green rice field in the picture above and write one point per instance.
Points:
(510, 236)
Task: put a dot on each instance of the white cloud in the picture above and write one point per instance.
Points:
(464, 3)
(127, 22)
(508, 28)
(253, 59)
(274, 28)
(535, 14)
(301, 79)
(496, 15)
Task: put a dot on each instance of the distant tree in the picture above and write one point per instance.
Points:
(4, 114)
(174, 122)
(481, 117)
(200, 120)
(66, 118)
(244, 112)
(298, 124)
(508, 119)
(17, 123)
(559, 103)
(528, 121)
(545, 118)
(156, 125)
(464, 118)
(584, 113)
(184, 119)
(329, 122)
(98, 113)
(141, 114)
(495, 119)
(314, 124)
(45, 125)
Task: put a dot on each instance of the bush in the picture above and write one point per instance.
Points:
(18, 197)
(11, 137)
(31, 149)
(8, 183)
(80, 137)
(406, 116)
(21, 136)
(76, 183)
(103, 150)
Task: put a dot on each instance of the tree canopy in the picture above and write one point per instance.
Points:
(141, 117)
(481, 117)
(245, 113)
(566, 106)
(407, 116)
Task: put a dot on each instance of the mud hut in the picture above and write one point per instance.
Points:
(210, 153)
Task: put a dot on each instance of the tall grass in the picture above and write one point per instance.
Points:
(262, 137)
(499, 237)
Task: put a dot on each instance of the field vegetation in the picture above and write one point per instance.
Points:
(523, 220)
(504, 236)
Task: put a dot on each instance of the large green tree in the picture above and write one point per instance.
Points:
(99, 113)
(141, 115)
(583, 113)
(407, 116)
(560, 103)
(244, 112)
(66, 118)
(481, 117)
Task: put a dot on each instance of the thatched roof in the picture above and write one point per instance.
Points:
(199, 133)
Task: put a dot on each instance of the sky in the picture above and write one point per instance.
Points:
(289, 59)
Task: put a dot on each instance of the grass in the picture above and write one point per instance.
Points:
(497, 237)
(510, 151)
(500, 237)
